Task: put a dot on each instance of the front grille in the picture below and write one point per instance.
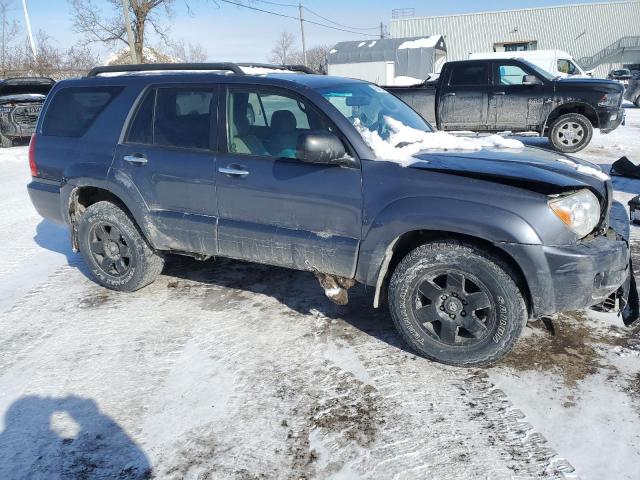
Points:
(26, 116)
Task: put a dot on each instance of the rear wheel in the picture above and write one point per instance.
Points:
(456, 304)
(571, 132)
(117, 254)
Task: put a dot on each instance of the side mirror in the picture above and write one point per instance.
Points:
(322, 148)
(531, 80)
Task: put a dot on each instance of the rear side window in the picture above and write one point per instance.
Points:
(469, 75)
(174, 117)
(73, 110)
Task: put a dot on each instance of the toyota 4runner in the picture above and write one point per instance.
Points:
(296, 170)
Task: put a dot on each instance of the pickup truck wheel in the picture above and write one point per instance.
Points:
(117, 254)
(571, 132)
(456, 304)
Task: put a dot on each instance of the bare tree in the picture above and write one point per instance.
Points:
(108, 27)
(9, 32)
(316, 58)
(189, 52)
(283, 50)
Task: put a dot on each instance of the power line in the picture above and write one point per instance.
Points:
(296, 18)
(278, 3)
(336, 23)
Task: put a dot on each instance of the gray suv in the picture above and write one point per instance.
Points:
(296, 170)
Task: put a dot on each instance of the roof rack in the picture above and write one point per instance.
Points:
(290, 67)
(225, 66)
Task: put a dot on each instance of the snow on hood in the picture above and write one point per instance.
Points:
(591, 171)
(427, 42)
(404, 142)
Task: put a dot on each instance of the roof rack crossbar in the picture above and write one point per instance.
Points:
(146, 67)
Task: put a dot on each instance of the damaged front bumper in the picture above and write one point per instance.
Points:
(594, 272)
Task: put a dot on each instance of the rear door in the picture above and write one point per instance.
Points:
(464, 97)
(167, 153)
(512, 104)
(272, 207)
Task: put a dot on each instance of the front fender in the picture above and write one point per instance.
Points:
(486, 222)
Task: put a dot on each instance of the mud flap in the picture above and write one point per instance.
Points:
(631, 311)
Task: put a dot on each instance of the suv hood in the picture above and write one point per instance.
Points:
(530, 168)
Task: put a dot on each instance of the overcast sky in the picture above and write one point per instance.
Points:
(233, 33)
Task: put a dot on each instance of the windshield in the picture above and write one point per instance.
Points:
(369, 106)
(543, 73)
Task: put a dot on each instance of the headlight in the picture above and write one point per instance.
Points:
(610, 100)
(580, 211)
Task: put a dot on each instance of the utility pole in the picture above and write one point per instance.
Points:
(304, 45)
(381, 30)
(127, 25)
(28, 23)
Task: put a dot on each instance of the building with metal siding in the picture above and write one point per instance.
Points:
(598, 35)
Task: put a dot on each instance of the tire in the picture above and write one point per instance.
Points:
(637, 102)
(5, 142)
(571, 132)
(432, 292)
(117, 254)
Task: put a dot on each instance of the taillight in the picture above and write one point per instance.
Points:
(32, 156)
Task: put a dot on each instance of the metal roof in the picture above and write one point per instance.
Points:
(384, 49)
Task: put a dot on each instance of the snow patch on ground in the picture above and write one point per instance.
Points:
(404, 81)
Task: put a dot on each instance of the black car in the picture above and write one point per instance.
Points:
(303, 172)
(513, 94)
(620, 75)
(21, 100)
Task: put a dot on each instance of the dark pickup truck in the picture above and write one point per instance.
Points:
(632, 92)
(295, 170)
(515, 95)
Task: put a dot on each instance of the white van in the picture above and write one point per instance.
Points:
(556, 62)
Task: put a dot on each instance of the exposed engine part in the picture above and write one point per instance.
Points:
(335, 288)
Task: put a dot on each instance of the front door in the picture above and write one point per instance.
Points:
(272, 207)
(167, 154)
(514, 105)
(463, 97)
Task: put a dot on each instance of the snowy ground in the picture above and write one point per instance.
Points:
(232, 370)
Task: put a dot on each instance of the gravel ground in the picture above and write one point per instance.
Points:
(232, 370)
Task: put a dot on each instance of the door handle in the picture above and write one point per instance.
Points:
(234, 171)
(136, 159)
(451, 94)
(499, 93)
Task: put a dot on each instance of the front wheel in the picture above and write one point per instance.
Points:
(116, 252)
(571, 132)
(456, 304)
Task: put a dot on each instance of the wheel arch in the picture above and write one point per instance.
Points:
(82, 195)
(572, 107)
(405, 243)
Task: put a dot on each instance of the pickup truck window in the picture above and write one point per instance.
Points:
(510, 75)
(465, 74)
(369, 106)
(261, 122)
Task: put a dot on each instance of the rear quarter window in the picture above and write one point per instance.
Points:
(74, 109)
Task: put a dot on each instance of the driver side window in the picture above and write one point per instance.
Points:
(266, 123)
